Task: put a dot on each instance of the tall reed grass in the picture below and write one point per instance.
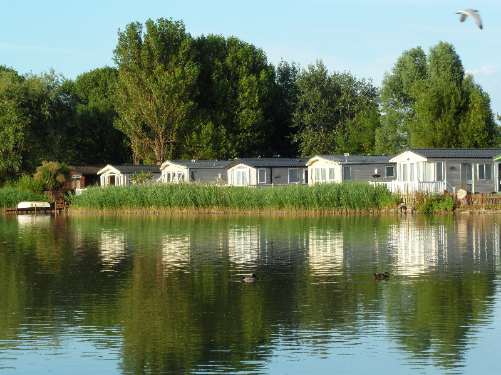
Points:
(349, 196)
(10, 196)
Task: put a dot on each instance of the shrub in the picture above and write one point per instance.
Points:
(142, 178)
(52, 175)
(435, 203)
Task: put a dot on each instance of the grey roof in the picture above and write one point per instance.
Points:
(203, 164)
(85, 169)
(358, 159)
(459, 153)
(270, 162)
(130, 169)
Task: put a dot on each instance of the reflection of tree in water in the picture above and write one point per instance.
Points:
(49, 273)
(433, 315)
(176, 297)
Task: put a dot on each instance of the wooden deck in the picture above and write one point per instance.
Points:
(55, 209)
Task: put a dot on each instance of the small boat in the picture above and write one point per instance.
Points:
(33, 205)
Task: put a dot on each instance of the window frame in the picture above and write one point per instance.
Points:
(441, 169)
(259, 170)
(297, 176)
(482, 167)
(386, 171)
(346, 176)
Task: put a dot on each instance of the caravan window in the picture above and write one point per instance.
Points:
(390, 171)
(347, 172)
(484, 172)
(261, 176)
(294, 176)
(439, 174)
(332, 174)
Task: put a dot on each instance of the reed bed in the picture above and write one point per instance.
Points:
(10, 196)
(348, 196)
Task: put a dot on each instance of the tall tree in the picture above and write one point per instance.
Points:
(439, 100)
(398, 97)
(13, 122)
(98, 141)
(234, 101)
(284, 105)
(428, 102)
(156, 81)
(332, 111)
(478, 127)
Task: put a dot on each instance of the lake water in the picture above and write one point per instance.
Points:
(163, 295)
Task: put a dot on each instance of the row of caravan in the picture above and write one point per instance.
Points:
(257, 171)
(426, 170)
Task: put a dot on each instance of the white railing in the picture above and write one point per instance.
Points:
(411, 187)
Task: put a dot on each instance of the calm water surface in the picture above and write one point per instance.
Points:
(163, 295)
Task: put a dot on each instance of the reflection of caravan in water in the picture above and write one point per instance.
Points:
(113, 248)
(244, 244)
(325, 250)
(417, 249)
(176, 251)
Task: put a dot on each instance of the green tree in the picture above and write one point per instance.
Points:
(284, 105)
(98, 141)
(235, 98)
(427, 102)
(156, 81)
(398, 96)
(332, 111)
(13, 123)
(477, 127)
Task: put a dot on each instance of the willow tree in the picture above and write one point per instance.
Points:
(156, 80)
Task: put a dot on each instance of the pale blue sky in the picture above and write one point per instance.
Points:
(362, 36)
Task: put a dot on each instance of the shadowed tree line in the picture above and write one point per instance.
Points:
(173, 95)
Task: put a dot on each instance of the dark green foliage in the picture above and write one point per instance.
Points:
(335, 113)
(97, 140)
(236, 88)
(350, 196)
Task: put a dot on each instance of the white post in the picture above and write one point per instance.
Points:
(473, 178)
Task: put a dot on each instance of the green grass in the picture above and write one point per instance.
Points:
(435, 204)
(10, 196)
(349, 196)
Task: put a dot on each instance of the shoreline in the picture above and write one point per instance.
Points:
(266, 212)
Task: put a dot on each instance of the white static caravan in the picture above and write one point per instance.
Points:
(198, 171)
(267, 172)
(341, 168)
(437, 170)
(121, 175)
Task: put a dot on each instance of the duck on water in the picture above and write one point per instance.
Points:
(249, 278)
(381, 276)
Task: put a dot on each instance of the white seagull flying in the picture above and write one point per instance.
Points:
(473, 13)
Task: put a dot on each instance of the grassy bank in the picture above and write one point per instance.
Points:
(10, 196)
(334, 197)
